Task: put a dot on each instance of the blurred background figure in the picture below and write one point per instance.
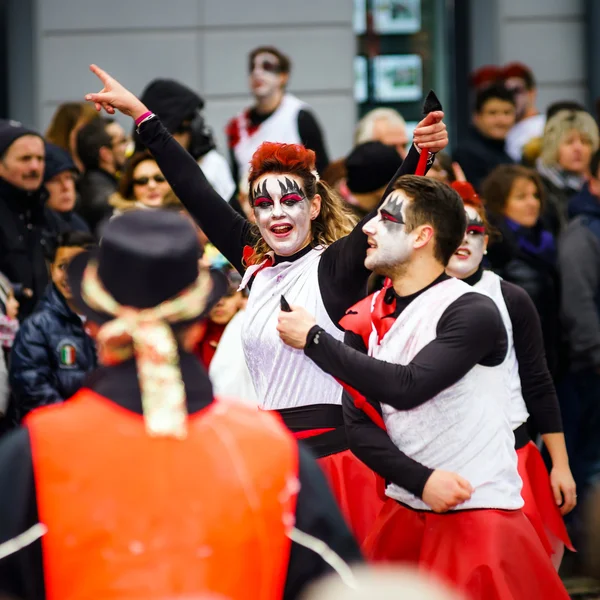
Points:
(60, 176)
(142, 186)
(66, 122)
(275, 116)
(529, 121)
(485, 147)
(102, 147)
(525, 252)
(384, 125)
(369, 168)
(570, 138)
(383, 583)
(180, 109)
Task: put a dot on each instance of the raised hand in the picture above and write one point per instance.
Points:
(431, 132)
(114, 96)
(445, 490)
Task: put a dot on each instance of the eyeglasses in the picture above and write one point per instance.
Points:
(146, 180)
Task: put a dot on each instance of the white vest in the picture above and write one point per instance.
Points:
(464, 429)
(517, 411)
(283, 376)
(281, 126)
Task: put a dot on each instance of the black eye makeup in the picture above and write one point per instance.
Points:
(390, 218)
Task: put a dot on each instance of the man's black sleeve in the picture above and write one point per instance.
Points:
(21, 573)
(372, 444)
(469, 332)
(536, 382)
(318, 515)
(312, 137)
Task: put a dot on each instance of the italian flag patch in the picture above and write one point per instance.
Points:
(67, 355)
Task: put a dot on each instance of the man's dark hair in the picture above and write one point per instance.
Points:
(285, 65)
(90, 139)
(595, 164)
(437, 204)
(556, 107)
(496, 91)
(73, 239)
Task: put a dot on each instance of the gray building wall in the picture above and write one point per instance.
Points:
(202, 43)
(546, 35)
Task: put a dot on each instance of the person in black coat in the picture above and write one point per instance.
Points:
(28, 228)
(524, 252)
(484, 149)
(60, 175)
(52, 353)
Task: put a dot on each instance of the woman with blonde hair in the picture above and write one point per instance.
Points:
(302, 249)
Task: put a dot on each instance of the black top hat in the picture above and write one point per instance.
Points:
(145, 257)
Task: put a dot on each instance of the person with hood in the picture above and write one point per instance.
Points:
(52, 354)
(579, 266)
(60, 175)
(180, 110)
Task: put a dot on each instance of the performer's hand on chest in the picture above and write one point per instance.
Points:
(293, 326)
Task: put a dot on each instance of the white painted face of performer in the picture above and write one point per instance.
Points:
(266, 78)
(283, 213)
(390, 246)
(466, 260)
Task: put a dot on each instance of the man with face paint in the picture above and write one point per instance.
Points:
(276, 116)
(437, 379)
(532, 391)
(302, 247)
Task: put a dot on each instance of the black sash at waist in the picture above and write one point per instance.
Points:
(303, 420)
(521, 436)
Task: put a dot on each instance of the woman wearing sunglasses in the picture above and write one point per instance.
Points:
(142, 186)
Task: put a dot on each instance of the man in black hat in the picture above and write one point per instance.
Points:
(60, 175)
(369, 168)
(27, 227)
(177, 493)
(180, 110)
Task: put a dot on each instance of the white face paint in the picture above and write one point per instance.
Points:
(265, 75)
(466, 260)
(282, 212)
(389, 244)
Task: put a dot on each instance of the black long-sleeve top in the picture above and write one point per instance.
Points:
(469, 332)
(342, 275)
(374, 447)
(22, 574)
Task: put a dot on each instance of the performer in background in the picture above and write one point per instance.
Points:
(436, 367)
(532, 390)
(127, 476)
(303, 247)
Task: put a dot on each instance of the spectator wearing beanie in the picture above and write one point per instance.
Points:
(60, 175)
(570, 139)
(28, 228)
(369, 168)
(484, 148)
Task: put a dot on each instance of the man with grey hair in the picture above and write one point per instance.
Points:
(384, 125)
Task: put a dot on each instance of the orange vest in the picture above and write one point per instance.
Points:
(135, 517)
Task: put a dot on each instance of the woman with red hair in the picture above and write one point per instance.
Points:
(302, 249)
(532, 391)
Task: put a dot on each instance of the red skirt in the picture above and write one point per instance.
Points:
(540, 507)
(486, 554)
(354, 486)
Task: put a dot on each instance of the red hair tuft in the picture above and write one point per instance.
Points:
(467, 193)
(291, 158)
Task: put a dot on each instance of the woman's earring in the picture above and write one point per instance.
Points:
(485, 251)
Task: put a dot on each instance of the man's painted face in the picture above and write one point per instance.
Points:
(283, 212)
(389, 244)
(265, 75)
(466, 260)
